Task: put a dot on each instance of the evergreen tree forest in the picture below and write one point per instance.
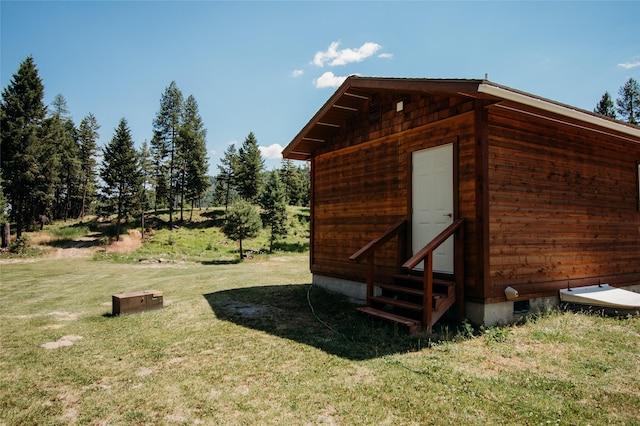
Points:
(54, 169)
(626, 107)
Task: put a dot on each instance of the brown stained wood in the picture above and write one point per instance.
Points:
(562, 205)
(376, 243)
(362, 189)
(412, 324)
(543, 200)
(482, 220)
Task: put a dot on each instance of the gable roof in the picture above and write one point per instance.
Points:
(353, 96)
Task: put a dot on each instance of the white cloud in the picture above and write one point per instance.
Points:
(272, 151)
(297, 73)
(335, 57)
(328, 79)
(385, 55)
(629, 65)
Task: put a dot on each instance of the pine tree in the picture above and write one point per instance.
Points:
(64, 162)
(605, 106)
(226, 179)
(121, 174)
(4, 218)
(87, 139)
(242, 221)
(194, 181)
(250, 167)
(21, 157)
(165, 146)
(288, 176)
(274, 204)
(146, 169)
(304, 179)
(628, 104)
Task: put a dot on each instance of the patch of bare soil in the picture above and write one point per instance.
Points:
(83, 247)
(63, 341)
(127, 243)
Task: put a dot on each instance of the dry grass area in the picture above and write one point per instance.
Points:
(239, 344)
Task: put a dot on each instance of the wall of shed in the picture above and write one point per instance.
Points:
(362, 181)
(563, 206)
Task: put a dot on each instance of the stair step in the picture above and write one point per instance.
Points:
(416, 280)
(412, 324)
(397, 303)
(401, 289)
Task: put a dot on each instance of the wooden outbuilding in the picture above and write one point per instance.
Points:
(431, 194)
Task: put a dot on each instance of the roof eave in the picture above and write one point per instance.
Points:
(547, 105)
(356, 83)
(474, 88)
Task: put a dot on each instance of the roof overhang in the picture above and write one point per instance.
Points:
(577, 114)
(353, 97)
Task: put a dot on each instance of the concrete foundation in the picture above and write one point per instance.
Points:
(504, 313)
(354, 290)
(477, 313)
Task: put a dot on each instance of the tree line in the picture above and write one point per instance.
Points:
(627, 105)
(50, 170)
(47, 163)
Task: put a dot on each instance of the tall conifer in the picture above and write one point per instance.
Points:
(273, 201)
(164, 147)
(605, 106)
(87, 139)
(628, 104)
(121, 174)
(226, 179)
(250, 167)
(21, 154)
(193, 155)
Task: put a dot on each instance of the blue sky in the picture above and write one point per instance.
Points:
(267, 67)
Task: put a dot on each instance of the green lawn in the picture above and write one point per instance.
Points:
(241, 344)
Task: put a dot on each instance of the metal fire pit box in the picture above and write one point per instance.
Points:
(136, 301)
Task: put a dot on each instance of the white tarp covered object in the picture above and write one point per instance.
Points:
(602, 296)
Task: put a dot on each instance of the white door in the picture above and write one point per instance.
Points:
(432, 202)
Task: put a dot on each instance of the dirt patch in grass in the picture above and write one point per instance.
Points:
(127, 243)
(81, 247)
(64, 316)
(61, 342)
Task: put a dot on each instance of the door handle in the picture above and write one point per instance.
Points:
(450, 215)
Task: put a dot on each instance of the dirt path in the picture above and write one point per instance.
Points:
(83, 247)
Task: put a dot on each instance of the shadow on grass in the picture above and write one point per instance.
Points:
(155, 222)
(67, 243)
(312, 316)
(291, 247)
(221, 262)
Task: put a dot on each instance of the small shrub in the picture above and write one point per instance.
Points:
(496, 334)
(466, 330)
(20, 245)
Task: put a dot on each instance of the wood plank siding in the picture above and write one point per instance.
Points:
(362, 179)
(549, 193)
(563, 205)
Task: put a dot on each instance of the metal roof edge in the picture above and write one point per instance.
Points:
(509, 94)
